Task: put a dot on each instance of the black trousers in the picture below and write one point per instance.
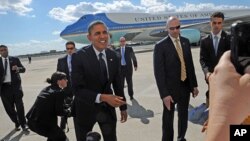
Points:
(11, 96)
(106, 121)
(127, 74)
(168, 116)
(68, 99)
(49, 130)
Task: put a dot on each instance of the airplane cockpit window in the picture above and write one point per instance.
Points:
(83, 18)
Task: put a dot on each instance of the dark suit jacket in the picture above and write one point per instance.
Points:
(167, 67)
(1, 72)
(62, 66)
(86, 75)
(48, 105)
(208, 59)
(129, 57)
(15, 76)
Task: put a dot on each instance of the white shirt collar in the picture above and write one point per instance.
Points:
(173, 39)
(98, 52)
(5, 58)
(218, 35)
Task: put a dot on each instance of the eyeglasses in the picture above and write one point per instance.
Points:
(173, 28)
(70, 48)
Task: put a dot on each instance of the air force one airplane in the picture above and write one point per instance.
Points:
(140, 27)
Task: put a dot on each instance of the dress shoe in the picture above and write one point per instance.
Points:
(17, 127)
(131, 97)
(25, 128)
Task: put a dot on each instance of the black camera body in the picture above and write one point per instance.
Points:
(67, 102)
(240, 45)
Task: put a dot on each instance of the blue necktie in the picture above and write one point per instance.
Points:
(69, 63)
(123, 56)
(216, 40)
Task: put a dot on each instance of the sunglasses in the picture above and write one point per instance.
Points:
(219, 23)
(70, 48)
(173, 28)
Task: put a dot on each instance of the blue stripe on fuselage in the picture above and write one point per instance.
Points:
(80, 27)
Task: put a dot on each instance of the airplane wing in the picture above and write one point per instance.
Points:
(203, 27)
(130, 36)
(229, 22)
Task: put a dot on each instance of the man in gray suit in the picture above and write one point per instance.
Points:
(175, 79)
(128, 60)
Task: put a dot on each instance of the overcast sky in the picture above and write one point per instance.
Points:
(32, 26)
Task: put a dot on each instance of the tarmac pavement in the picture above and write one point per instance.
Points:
(145, 111)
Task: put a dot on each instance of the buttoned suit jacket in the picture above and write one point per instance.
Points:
(42, 116)
(15, 76)
(167, 67)
(86, 82)
(62, 66)
(129, 56)
(1, 72)
(208, 59)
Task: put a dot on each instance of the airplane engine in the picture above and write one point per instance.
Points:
(193, 35)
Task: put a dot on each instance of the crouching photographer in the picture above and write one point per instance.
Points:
(42, 117)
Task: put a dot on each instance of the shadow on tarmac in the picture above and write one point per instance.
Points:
(16, 138)
(137, 111)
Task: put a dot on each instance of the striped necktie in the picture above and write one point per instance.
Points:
(180, 54)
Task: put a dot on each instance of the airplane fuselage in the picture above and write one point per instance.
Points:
(139, 27)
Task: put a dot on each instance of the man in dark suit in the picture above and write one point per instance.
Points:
(94, 69)
(11, 89)
(127, 57)
(213, 46)
(64, 65)
(175, 77)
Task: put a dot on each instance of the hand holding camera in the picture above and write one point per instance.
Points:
(15, 68)
(67, 106)
(240, 46)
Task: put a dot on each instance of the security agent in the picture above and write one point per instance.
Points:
(11, 89)
(64, 65)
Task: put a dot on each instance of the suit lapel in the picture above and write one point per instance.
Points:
(1, 63)
(110, 61)
(11, 62)
(211, 45)
(126, 53)
(171, 43)
(183, 46)
(94, 62)
(1, 67)
(66, 66)
(221, 44)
